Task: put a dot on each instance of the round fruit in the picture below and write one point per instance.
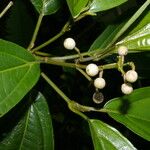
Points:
(98, 97)
(122, 50)
(69, 43)
(126, 88)
(131, 76)
(99, 83)
(92, 69)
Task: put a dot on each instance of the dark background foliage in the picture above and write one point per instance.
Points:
(71, 132)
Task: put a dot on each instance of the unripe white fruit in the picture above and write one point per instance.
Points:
(69, 43)
(131, 76)
(126, 88)
(99, 83)
(122, 50)
(92, 69)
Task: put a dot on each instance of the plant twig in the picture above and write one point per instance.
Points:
(74, 106)
(108, 50)
(31, 45)
(64, 29)
(6, 9)
(55, 87)
(84, 74)
(47, 60)
(80, 66)
(71, 104)
(130, 22)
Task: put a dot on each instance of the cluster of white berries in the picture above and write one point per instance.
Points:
(130, 76)
(93, 70)
(99, 83)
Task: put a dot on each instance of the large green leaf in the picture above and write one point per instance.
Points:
(19, 71)
(141, 22)
(104, 39)
(139, 40)
(77, 6)
(106, 137)
(34, 131)
(132, 111)
(101, 5)
(46, 7)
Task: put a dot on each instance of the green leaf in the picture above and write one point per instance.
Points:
(132, 111)
(19, 72)
(106, 137)
(104, 39)
(77, 6)
(139, 40)
(102, 5)
(143, 20)
(34, 131)
(46, 7)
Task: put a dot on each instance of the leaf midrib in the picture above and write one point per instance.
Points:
(19, 66)
(15, 56)
(25, 129)
(3, 101)
(36, 109)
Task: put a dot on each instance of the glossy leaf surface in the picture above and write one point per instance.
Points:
(77, 6)
(139, 40)
(19, 72)
(132, 111)
(46, 7)
(104, 39)
(101, 5)
(143, 20)
(106, 137)
(34, 131)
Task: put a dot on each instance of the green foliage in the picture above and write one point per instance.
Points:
(19, 72)
(46, 7)
(136, 40)
(139, 40)
(76, 7)
(34, 131)
(107, 137)
(143, 20)
(101, 5)
(104, 39)
(132, 111)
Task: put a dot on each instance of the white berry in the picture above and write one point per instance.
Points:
(69, 43)
(126, 88)
(99, 83)
(122, 50)
(92, 69)
(131, 76)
